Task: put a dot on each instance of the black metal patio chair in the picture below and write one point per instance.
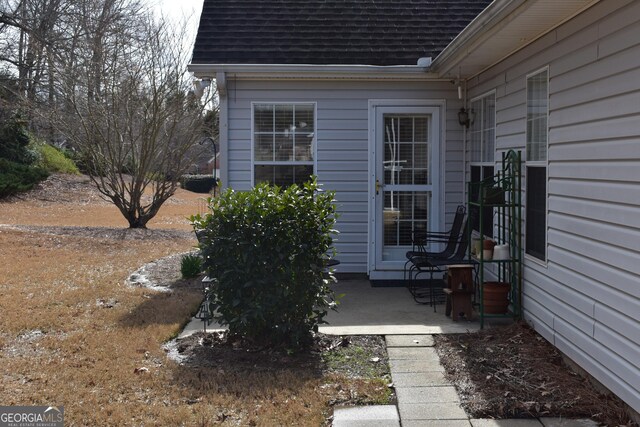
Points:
(422, 240)
(432, 265)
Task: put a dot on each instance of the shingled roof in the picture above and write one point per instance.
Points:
(330, 32)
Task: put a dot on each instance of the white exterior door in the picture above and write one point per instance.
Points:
(405, 182)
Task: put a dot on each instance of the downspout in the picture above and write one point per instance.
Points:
(465, 196)
(223, 128)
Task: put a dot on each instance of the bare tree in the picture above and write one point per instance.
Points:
(136, 124)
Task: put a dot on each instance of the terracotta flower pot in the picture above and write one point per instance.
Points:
(487, 249)
(488, 244)
(495, 297)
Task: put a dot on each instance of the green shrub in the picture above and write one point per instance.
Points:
(17, 178)
(54, 160)
(198, 183)
(14, 141)
(266, 248)
(190, 266)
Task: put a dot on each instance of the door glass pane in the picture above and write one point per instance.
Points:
(406, 166)
(406, 150)
(405, 212)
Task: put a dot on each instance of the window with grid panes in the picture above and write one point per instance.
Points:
(283, 143)
(482, 143)
(536, 166)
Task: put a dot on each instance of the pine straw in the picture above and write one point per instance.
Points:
(512, 372)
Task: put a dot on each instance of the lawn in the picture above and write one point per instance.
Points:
(73, 333)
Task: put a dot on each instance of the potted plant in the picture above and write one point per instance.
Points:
(487, 249)
(495, 297)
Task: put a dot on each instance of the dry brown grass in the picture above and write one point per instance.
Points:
(85, 354)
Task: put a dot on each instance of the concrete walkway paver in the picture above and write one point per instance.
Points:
(425, 354)
(436, 423)
(408, 365)
(430, 394)
(419, 379)
(366, 416)
(431, 411)
(410, 341)
(485, 422)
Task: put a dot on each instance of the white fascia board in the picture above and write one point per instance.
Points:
(481, 25)
(479, 33)
(303, 71)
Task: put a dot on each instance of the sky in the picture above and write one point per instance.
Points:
(179, 8)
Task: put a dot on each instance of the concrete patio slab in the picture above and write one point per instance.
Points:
(419, 379)
(431, 411)
(365, 310)
(485, 422)
(443, 394)
(366, 416)
(410, 341)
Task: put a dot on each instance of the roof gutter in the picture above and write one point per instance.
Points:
(309, 71)
(488, 19)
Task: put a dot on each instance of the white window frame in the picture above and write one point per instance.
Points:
(314, 142)
(491, 93)
(478, 116)
(538, 163)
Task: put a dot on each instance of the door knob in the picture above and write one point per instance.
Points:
(378, 186)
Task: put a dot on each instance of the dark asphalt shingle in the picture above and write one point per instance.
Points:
(373, 32)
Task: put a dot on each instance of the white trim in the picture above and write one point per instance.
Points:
(437, 110)
(481, 164)
(314, 143)
(223, 140)
(495, 133)
(537, 163)
(310, 71)
(483, 28)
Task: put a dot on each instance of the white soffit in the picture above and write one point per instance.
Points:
(503, 28)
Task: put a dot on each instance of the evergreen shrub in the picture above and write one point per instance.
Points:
(17, 178)
(198, 183)
(267, 250)
(54, 160)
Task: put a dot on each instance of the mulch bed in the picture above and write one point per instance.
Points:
(218, 349)
(512, 372)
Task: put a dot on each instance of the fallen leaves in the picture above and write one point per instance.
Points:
(512, 372)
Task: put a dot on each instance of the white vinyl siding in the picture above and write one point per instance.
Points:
(586, 300)
(342, 135)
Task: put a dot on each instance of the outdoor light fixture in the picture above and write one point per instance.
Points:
(465, 117)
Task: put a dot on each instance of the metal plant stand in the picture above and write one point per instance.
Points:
(501, 193)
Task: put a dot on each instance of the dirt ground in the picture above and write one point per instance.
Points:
(74, 333)
(512, 372)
